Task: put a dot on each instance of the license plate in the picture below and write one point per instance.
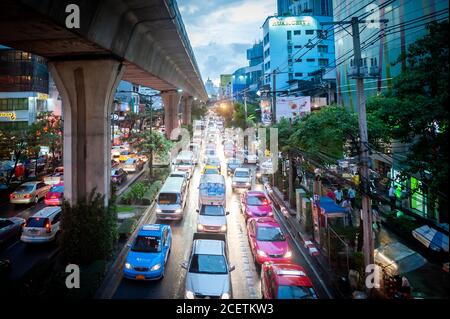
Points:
(140, 277)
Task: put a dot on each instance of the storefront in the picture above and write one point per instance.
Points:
(19, 109)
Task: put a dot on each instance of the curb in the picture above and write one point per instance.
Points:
(114, 275)
(131, 182)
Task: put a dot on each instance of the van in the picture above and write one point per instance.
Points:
(171, 199)
(212, 190)
(43, 226)
(185, 162)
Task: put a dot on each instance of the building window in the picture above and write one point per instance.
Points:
(322, 48)
(290, 61)
(310, 60)
(297, 46)
(297, 32)
(298, 74)
(13, 104)
(309, 31)
(323, 62)
(266, 39)
(289, 35)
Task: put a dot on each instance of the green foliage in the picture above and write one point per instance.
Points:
(198, 111)
(240, 120)
(88, 230)
(152, 142)
(127, 227)
(135, 193)
(403, 225)
(152, 191)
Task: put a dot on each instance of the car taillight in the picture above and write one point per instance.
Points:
(48, 227)
(27, 196)
(11, 195)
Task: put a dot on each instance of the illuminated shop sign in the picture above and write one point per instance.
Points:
(306, 21)
(10, 115)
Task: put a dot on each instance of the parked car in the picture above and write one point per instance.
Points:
(148, 254)
(10, 228)
(256, 204)
(125, 155)
(55, 195)
(133, 165)
(267, 241)
(118, 176)
(55, 178)
(242, 178)
(232, 164)
(208, 268)
(285, 281)
(29, 192)
(42, 226)
(212, 218)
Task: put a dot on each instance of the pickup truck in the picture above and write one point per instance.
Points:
(55, 178)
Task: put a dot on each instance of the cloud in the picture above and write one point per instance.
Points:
(220, 31)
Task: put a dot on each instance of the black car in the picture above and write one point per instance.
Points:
(232, 164)
(118, 176)
(10, 228)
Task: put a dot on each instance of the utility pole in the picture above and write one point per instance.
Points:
(274, 96)
(368, 245)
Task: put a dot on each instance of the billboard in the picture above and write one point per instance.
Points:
(293, 106)
(266, 111)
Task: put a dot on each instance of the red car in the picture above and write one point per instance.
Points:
(285, 281)
(267, 241)
(55, 195)
(256, 204)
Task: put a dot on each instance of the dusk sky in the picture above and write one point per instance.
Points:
(221, 30)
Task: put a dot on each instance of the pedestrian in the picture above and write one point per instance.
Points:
(351, 193)
(392, 197)
(331, 195)
(404, 198)
(347, 205)
(339, 195)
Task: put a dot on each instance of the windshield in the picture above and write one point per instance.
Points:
(234, 162)
(129, 161)
(257, 201)
(24, 188)
(147, 244)
(184, 162)
(241, 174)
(211, 171)
(269, 234)
(213, 161)
(296, 292)
(57, 189)
(212, 211)
(208, 264)
(167, 198)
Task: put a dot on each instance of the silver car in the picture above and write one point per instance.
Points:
(208, 269)
(212, 218)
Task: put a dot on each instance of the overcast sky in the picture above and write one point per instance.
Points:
(221, 30)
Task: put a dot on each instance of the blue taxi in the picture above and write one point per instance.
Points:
(147, 257)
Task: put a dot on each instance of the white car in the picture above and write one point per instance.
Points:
(43, 226)
(242, 178)
(212, 218)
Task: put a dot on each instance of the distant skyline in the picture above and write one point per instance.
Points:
(221, 31)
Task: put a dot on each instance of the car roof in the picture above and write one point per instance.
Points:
(208, 246)
(242, 169)
(256, 193)
(267, 221)
(59, 184)
(212, 178)
(30, 183)
(151, 230)
(291, 274)
(172, 185)
(47, 211)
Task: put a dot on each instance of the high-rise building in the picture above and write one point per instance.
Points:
(289, 49)
(254, 70)
(225, 86)
(308, 7)
(238, 83)
(210, 89)
(23, 87)
(127, 97)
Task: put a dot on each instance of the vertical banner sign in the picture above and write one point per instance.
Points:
(266, 111)
(292, 107)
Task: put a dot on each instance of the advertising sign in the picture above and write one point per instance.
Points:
(293, 107)
(266, 112)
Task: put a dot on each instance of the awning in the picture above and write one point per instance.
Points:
(397, 259)
(431, 238)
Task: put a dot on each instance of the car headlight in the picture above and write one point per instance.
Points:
(248, 184)
(234, 183)
(225, 295)
(270, 214)
(223, 228)
(288, 254)
(261, 253)
(128, 266)
(189, 294)
(178, 211)
(156, 267)
(200, 227)
(158, 210)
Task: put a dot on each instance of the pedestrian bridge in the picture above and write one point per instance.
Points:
(141, 41)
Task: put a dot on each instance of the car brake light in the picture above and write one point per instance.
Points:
(27, 196)
(48, 227)
(11, 195)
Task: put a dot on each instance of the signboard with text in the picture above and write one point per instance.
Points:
(293, 106)
(266, 111)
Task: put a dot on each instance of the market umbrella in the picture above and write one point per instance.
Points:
(431, 238)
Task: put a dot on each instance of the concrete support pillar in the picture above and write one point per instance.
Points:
(171, 100)
(187, 109)
(87, 89)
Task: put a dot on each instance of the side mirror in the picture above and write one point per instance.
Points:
(232, 268)
(227, 213)
(184, 265)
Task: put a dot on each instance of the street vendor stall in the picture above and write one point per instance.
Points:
(324, 211)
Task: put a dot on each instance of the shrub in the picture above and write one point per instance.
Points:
(88, 230)
(136, 192)
(127, 227)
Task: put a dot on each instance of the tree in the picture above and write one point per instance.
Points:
(152, 143)
(416, 113)
(13, 142)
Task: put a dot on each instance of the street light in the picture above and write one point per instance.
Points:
(180, 90)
